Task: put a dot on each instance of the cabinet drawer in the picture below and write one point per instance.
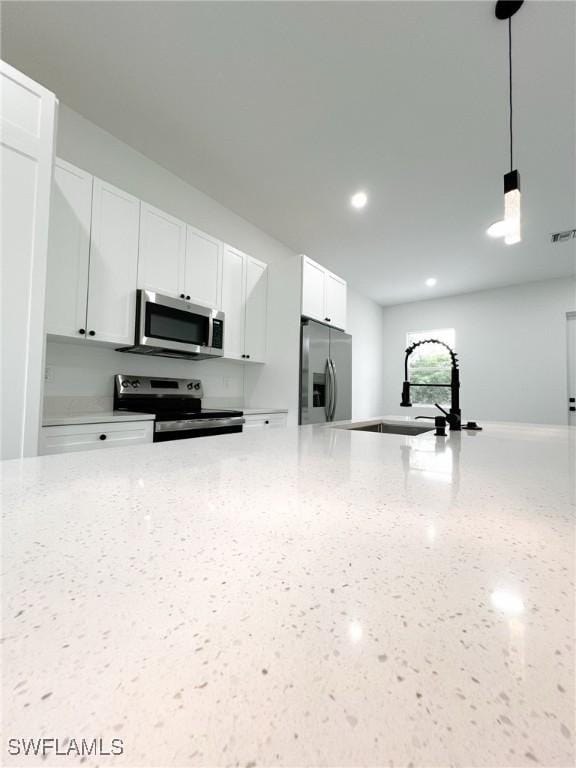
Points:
(88, 437)
(264, 420)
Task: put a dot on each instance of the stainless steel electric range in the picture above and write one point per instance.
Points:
(177, 405)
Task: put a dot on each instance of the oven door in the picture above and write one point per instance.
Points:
(186, 428)
(166, 323)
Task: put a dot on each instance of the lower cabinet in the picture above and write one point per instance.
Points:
(89, 437)
(264, 420)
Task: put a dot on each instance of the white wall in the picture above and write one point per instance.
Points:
(78, 370)
(511, 344)
(366, 324)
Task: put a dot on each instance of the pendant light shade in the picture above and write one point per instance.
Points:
(512, 208)
(509, 228)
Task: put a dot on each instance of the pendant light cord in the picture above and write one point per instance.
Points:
(510, 87)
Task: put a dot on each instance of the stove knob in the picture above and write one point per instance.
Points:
(197, 385)
(190, 385)
(125, 383)
(136, 384)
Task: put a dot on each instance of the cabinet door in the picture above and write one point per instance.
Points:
(162, 251)
(335, 300)
(27, 118)
(256, 297)
(68, 251)
(232, 302)
(203, 268)
(313, 290)
(113, 264)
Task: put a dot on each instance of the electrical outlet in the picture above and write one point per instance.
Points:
(48, 373)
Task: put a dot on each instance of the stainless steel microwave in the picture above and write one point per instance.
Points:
(170, 327)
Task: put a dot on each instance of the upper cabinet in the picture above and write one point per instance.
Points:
(162, 255)
(255, 298)
(113, 264)
(68, 250)
(92, 258)
(203, 268)
(104, 243)
(244, 301)
(178, 259)
(323, 294)
(336, 292)
(232, 302)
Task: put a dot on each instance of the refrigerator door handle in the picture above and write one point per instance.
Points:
(328, 397)
(334, 389)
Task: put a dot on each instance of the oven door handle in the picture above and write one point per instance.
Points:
(192, 424)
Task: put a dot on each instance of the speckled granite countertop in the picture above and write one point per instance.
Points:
(294, 597)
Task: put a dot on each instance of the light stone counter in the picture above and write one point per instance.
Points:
(95, 417)
(257, 411)
(306, 596)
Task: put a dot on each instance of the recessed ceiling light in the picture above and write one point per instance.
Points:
(431, 282)
(359, 200)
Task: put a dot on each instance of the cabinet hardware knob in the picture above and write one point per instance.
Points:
(82, 331)
(182, 296)
(266, 422)
(572, 408)
(102, 437)
(188, 298)
(91, 333)
(247, 355)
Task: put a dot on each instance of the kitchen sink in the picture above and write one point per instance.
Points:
(391, 428)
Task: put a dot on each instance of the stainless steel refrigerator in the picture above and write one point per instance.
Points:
(325, 374)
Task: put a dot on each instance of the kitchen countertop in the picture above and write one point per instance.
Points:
(307, 596)
(96, 417)
(257, 411)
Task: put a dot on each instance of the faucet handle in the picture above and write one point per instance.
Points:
(440, 424)
(441, 409)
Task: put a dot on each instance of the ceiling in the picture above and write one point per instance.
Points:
(281, 110)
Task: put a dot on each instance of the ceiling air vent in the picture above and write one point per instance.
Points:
(561, 237)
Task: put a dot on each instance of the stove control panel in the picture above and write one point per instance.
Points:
(147, 386)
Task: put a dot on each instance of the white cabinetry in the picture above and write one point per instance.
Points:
(27, 118)
(113, 264)
(89, 437)
(336, 291)
(203, 268)
(255, 299)
(69, 250)
(264, 420)
(177, 259)
(244, 301)
(104, 243)
(232, 302)
(162, 256)
(93, 258)
(323, 294)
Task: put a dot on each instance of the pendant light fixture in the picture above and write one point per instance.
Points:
(509, 227)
